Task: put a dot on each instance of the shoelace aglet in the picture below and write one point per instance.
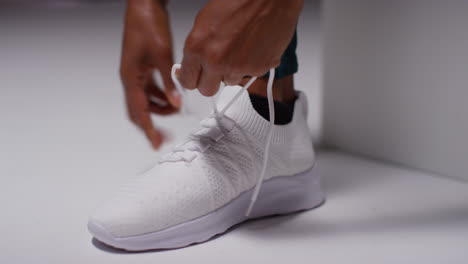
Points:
(249, 209)
(253, 199)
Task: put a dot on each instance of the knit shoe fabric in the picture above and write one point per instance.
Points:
(215, 165)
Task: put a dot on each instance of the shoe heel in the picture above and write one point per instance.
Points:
(287, 194)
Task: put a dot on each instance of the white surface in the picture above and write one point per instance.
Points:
(396, 81)
(65, 145)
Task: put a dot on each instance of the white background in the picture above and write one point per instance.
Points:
(396, 81)
(65, 145)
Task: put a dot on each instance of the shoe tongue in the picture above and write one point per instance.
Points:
(240, 105)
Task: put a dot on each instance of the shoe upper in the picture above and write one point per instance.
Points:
(221, 160)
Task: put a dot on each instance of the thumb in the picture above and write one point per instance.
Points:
(173, 95)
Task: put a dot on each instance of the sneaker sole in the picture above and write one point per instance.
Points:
(279, 195)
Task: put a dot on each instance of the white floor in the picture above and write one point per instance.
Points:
(375, 213)
(65, 145)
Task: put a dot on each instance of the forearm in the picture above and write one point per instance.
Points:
(162, 3)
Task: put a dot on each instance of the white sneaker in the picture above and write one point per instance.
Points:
(204, 186)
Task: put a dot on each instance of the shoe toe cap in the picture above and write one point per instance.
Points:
(153, 203)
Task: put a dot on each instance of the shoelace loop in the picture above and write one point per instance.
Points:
(212, 130)
(214, 127)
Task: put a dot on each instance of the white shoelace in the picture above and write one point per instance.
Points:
(214, 127)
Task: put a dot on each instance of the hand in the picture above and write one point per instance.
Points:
(234, 39)
(147, 46)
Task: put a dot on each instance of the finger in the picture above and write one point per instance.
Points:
(190, 73)
(131, 114)
(209, 82)
(233, 78)
(132, 80)
(153, 135)
(173, 96)
(155, 93)
(139, 107)
(158, 101)
(162, 110)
